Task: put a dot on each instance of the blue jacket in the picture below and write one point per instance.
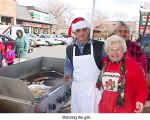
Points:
(22, 45)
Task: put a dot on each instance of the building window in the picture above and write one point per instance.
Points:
(26, 29)
(46, 31)
(5, 20)
(36, 30)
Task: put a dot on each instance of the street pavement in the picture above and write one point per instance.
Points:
(58, 51)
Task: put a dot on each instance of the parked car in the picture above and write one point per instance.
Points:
(41, 40)
(68, 41)
(62, 38)
(52, 40)
(32, 39)
(65, 36)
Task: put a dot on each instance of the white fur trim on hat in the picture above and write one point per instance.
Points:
(80, 25)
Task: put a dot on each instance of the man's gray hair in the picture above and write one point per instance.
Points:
(114, 39)
(121, 23)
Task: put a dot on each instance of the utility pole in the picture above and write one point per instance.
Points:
(92, 19)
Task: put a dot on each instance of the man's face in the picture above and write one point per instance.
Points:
(123, 32)
(82, 35)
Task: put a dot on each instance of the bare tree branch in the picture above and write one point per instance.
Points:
(61, 12)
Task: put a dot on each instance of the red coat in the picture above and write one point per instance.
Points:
(136, 89)
(2, 48)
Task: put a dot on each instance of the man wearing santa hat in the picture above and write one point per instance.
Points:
(82, 66)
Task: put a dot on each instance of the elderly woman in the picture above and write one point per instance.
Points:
(133, 49)
(125, 88)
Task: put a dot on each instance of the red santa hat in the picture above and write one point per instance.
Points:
(77, 23)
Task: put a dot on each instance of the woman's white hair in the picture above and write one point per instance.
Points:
(115, 39)
(121, 23)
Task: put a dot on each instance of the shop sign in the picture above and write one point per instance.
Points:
(29, 24)
(45, 26)
(144, 19)
(40, 17)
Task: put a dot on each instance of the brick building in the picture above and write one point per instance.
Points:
(32, 19)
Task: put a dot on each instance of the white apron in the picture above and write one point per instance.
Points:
(85, 76)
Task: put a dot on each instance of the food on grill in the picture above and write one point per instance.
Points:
(37, 91)
(42, 82)
(26, 82)
(34, 83)
(40, 79)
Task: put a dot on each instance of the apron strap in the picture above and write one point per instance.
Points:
(74, 51)
(92, 51)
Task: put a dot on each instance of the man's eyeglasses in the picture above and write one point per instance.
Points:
(84, 29)
(123, 31)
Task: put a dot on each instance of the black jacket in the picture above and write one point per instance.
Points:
(98, 52)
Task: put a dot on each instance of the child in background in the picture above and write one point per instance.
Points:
(10, 55)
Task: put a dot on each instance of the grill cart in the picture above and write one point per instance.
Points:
(17, 97)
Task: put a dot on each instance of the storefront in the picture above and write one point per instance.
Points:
(36, 28)
(34, 21)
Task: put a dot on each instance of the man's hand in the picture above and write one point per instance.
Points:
(139, 107)
(67, 77)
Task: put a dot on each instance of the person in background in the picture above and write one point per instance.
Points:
(125, 88)
(133, 48)
(22, 45)
(82, 65)
(10, 55)
(2, 53)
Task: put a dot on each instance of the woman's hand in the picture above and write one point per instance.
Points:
(139, 107)
(67, 77)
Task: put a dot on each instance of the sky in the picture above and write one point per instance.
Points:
(113, 9)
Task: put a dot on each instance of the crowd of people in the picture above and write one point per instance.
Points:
(108, 77)
(10, 54)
